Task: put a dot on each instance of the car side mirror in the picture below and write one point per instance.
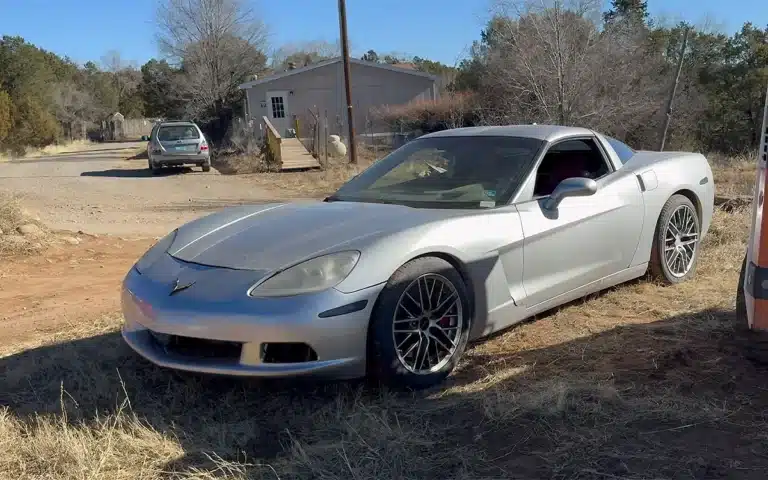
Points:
(570, 187)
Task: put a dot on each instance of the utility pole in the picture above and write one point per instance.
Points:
(673, 90)
(347, 83)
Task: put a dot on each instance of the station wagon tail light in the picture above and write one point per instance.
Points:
(203, 147)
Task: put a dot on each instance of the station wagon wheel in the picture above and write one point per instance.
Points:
(420, 325)
(426, 325)
(676, 243)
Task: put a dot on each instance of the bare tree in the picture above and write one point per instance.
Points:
(73, 107)
(549, 62)
(125, 76)
(217, 43)
(304, 53)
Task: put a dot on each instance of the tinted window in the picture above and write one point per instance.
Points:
(446, 172)
(624, 151)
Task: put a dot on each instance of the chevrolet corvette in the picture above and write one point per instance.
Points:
(449, 238)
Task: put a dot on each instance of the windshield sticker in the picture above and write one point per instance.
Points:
(487, 204)
(490, 193)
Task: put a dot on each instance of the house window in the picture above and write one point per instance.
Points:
(278, 109)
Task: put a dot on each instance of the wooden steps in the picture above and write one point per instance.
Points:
(295, 156)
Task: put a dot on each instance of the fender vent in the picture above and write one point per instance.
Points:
(640, 182)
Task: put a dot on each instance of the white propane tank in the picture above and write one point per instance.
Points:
(335, 146)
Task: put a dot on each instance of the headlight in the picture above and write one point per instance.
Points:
(155, 252)
(314, 275)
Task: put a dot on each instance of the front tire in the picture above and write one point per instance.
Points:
(675, 250)
(420, 325)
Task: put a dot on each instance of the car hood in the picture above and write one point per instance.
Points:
(273, 236)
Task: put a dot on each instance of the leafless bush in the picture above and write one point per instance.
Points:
(243, 137)
(13, 217)
(245, 151)
(452, 110)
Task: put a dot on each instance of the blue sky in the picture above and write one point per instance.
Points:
(437, 29)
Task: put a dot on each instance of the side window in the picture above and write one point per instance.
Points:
(624, 151)
(570, 158)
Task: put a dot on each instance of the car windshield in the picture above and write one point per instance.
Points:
(171, 133)
(446, 172)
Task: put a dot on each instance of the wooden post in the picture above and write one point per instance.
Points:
(347, 87)
(325, 136)
(673, 90)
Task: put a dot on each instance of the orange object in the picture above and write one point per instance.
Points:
(756, 277)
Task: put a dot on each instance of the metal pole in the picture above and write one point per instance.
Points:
(672, 92)
(345, 55)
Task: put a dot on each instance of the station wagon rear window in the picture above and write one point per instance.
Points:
(171, 133)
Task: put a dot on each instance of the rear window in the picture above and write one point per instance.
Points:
(624, 151)
(177, 132)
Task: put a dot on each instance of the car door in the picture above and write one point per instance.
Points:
(583, 239)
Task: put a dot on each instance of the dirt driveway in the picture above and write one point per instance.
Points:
(98, 190)
(104, 189)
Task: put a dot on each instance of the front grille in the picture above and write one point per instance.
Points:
(287, 353)
(198, 347)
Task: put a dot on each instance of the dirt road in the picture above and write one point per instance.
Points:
(97, 190)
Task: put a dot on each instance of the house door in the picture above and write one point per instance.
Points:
(277, 110)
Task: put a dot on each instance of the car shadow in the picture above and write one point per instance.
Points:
(138, 172)
(685, 391)
(143, 155)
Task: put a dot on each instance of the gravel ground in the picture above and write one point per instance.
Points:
(98, 190)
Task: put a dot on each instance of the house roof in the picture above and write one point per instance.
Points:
(406, 69)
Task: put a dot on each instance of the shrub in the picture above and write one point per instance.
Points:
(33, 126)
(6, 119)
(452, 110)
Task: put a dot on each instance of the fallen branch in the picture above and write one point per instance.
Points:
(731, 203)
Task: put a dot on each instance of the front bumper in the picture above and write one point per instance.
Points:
(220, 310)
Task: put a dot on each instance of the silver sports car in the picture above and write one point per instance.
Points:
(449, 238)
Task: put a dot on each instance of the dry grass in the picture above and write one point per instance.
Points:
(643, 381)
(318, 183)
(56, 149)
(734, 175)
(12, 216)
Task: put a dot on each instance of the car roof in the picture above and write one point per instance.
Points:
(547, 133)
(177, 123)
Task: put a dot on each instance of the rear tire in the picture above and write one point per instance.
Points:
(416, 342)
(675, 250)
(206, 167)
